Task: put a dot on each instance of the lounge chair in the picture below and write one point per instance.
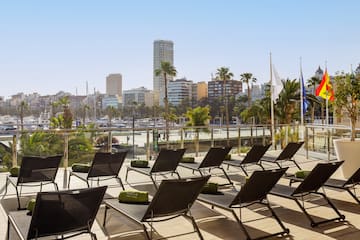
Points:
(166, 162)
(103, 167)
(63, 214)
(347, 185)
(254, 191)
(311, 185)
(174, 198)
(213, 159)
(252, 157)
(34, 171)
(287, 154)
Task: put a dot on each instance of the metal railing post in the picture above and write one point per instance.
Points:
(14, 151)
(66, 159)
(264, 138)
(239, 140)
(306, 142)
(181, 137)
(147, 144)
(212, 137)
(109, 146)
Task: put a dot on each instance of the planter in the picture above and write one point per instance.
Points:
(349, 151)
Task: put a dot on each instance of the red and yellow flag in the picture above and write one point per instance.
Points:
(325, 89)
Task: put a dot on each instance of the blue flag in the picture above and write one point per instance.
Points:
(304, 102)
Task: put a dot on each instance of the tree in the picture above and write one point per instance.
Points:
(347, 96)
(198, 117)
(21, 109)
(166, 69)
(111, 112)
(248, 78)
(224, 74)
(312, 83)
(64, 120)
(286, 104)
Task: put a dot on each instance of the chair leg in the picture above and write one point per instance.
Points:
(177, 174)
(6, 187)
(285, 230)
(56, 186)
(296, 164)
(146, 233)
(196, 228)
(126, 175)
(121, 183)
(243, 169)
(227, 176)
(8, 230)
(68, 186)
(154, 182)
(241, 224)
(353, 195)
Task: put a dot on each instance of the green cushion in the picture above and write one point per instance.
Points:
(228, 157)
(139, 163)
(81, 167)
(302, 173)
(31, 205)
(14, 171)
(129, 196)
(187, 160)
(210, 188)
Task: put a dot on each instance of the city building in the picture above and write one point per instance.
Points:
(319, 73)
(179, 90)
(110, 100)
(163, 52)
(114, 84)
(199, 91)
(139, 95)
(217, 87)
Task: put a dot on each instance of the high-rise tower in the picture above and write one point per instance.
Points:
(163, 52)
(114, 84)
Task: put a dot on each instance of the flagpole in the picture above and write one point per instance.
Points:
(301, 96)
(272, 106)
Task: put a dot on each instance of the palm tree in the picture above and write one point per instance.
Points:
(248, 78)
(111, 112)
(166, 69)
(224, 75)
(198, 117)
(286, 104)
(22, 108)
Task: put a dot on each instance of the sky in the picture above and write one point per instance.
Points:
(49, 46)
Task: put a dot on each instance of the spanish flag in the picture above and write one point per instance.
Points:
(325, 89)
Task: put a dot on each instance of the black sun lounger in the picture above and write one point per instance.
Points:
(103, 167)
(287, 154)
(213, 159)
(311, 185)
(347, 185)
(174, 198)
(252, 157)
(62, 214)
(166, 162)
(35, 171)
(254, 191)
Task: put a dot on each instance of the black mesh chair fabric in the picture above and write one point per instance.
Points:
(64, 212)
(106, 164)
(253, 156)
(38, 169)
(254, 191)
(213, 159)
(310, 185)
(166, 162)
(35, 171)
(103, 167)
(173, 199)
(286, 154)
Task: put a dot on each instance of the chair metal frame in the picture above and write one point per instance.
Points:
(34, 171)
(254, 191)
(213, 159)
(57, 208)
(252, 157)
(113, 163)
(173, 199)
(166, 162)
(287, 154)
(311, 185)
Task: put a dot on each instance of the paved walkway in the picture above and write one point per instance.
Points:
(218, 224)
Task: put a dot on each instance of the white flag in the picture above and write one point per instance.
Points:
(277, 85)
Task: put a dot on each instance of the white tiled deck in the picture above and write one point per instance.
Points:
(215, 225)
